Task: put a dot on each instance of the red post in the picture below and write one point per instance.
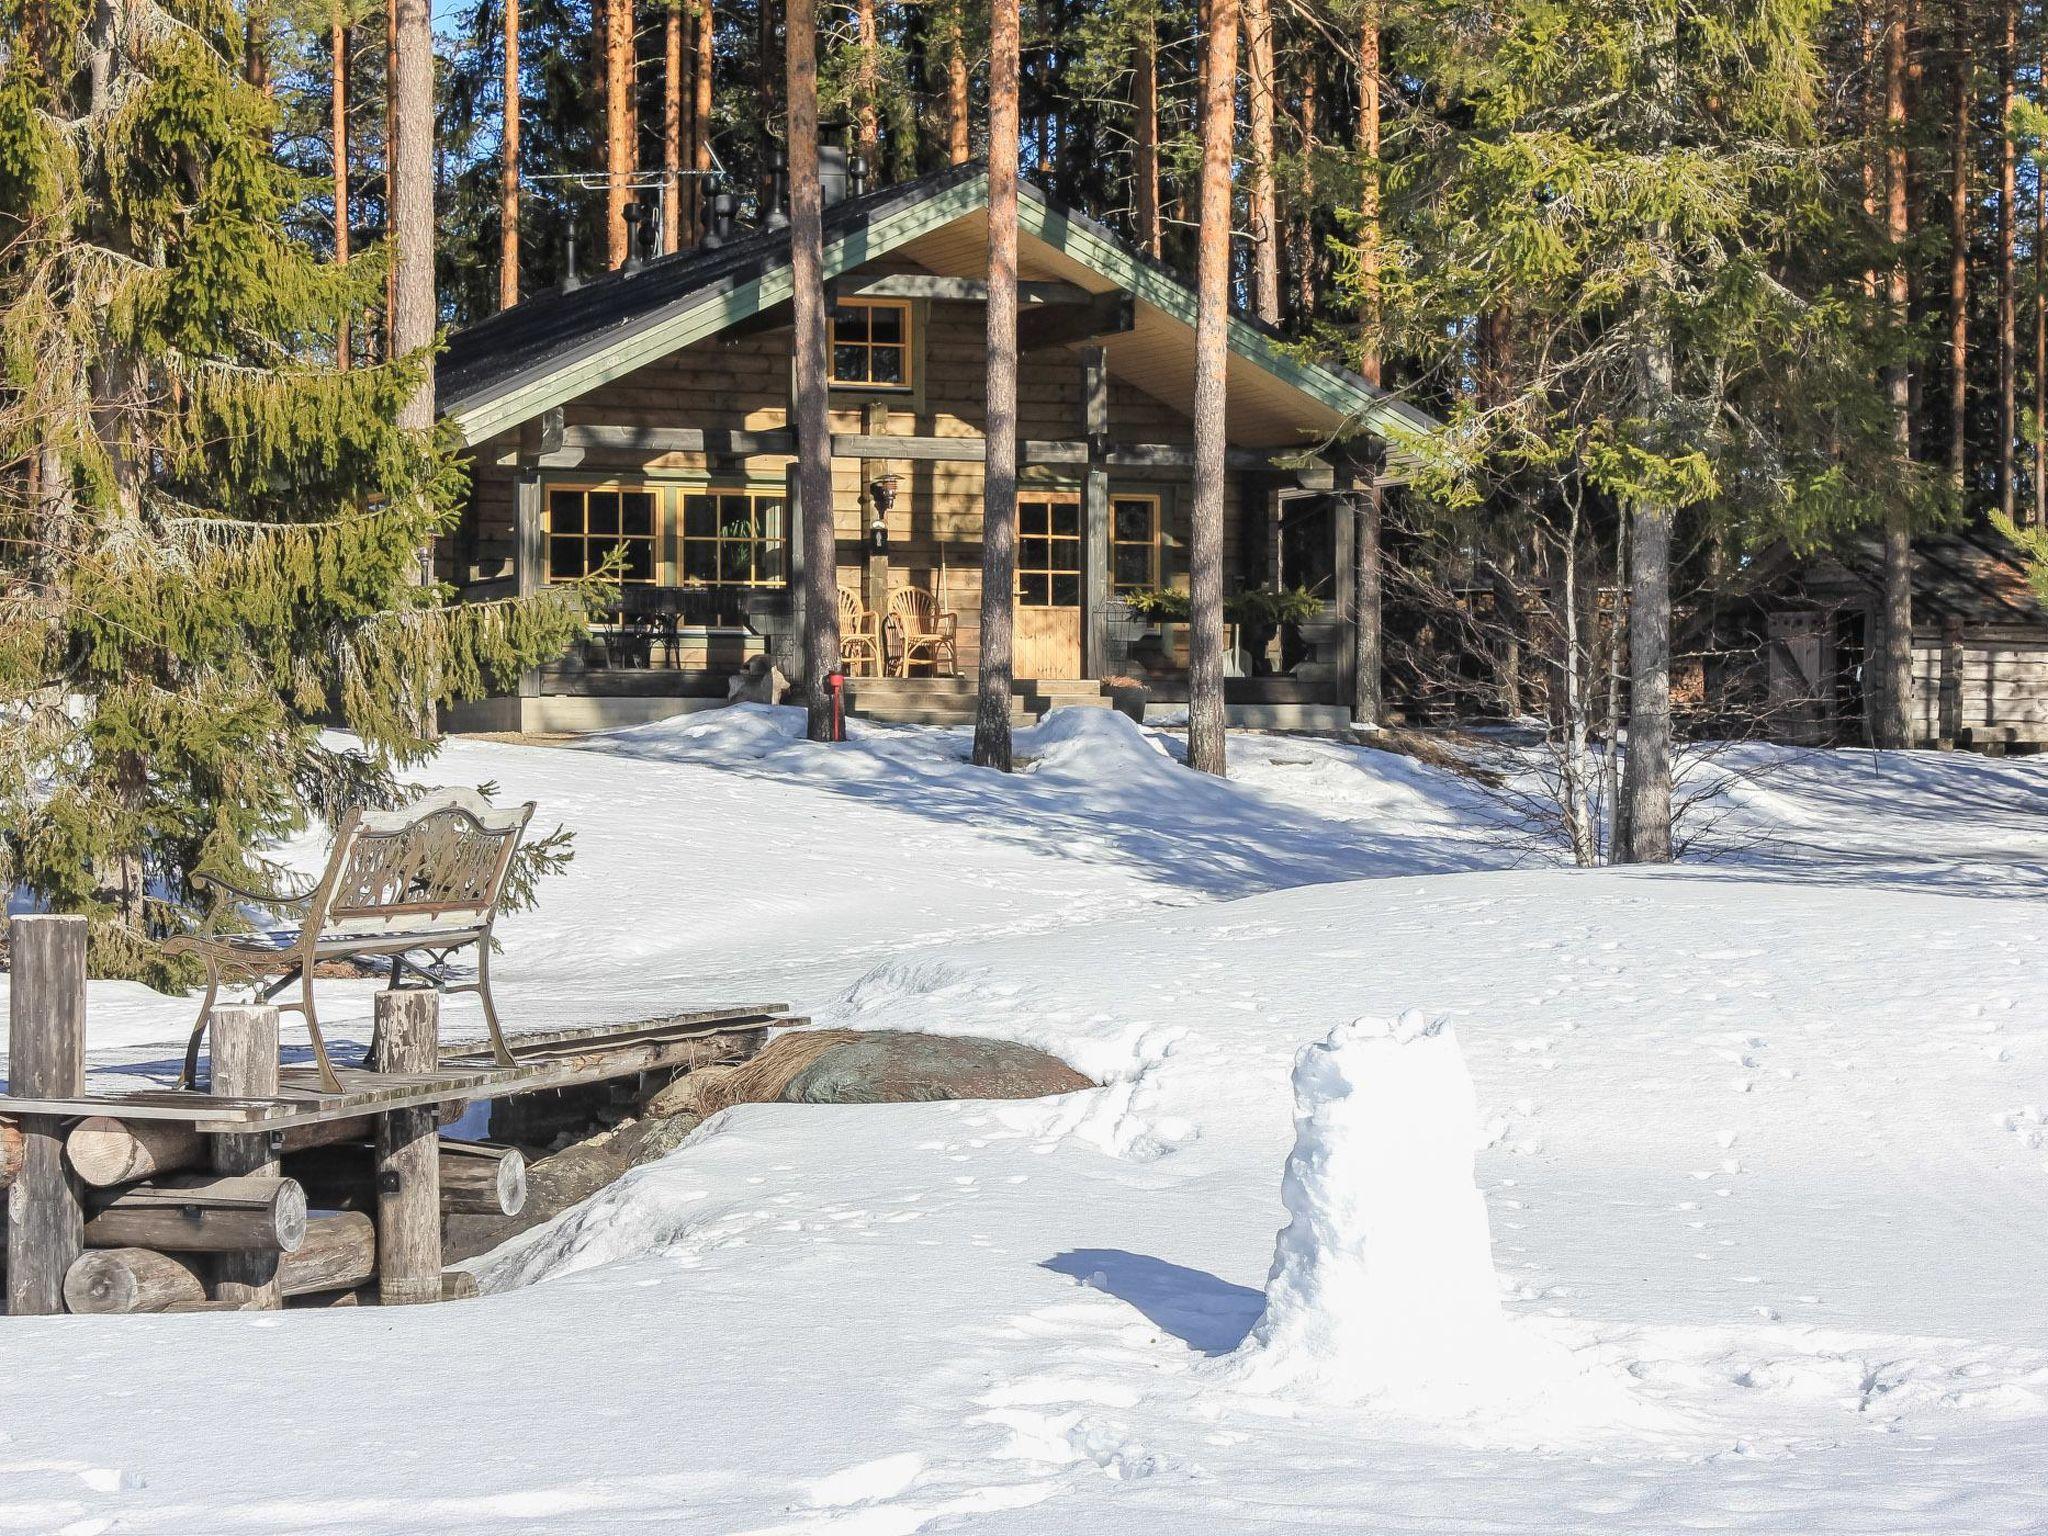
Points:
(836, 681)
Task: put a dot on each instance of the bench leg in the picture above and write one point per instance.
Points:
(499, 1050)
(189, 1078)
(328, 1081)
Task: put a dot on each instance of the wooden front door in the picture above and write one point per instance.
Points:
(1048, 585)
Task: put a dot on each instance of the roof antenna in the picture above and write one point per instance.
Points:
(571, 281)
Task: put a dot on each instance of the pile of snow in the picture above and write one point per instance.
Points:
(1383, 1286)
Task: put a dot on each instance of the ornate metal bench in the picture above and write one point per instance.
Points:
(422, 880)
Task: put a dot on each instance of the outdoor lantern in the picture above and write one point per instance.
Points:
(882, 496)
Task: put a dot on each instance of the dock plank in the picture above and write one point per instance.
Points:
(560, 1059)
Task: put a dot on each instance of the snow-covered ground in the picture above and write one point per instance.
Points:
(1764, 1142)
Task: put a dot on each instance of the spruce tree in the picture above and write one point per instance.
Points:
(209, 532)
(1647, 186)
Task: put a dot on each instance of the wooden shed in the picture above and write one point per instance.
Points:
(645, 418)
(1980, 642)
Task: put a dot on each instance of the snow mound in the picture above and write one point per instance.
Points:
(1097, 745)
(736, 734)
(1382, 1288)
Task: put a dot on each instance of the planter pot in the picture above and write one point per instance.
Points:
(1130, 700)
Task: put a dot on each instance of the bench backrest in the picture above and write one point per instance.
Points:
(436, 865)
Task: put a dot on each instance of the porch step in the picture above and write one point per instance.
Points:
(951, 700)
(922, 701)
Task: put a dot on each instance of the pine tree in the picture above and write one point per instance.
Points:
(813, 425)
(999, 464)
(1207, 751)
(208, 530)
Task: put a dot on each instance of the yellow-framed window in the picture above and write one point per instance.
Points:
(733, 538)
(1133, 543)
(590, 526)
(870, 343)
(1048, 551)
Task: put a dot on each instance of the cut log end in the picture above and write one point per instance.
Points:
(106, 1280)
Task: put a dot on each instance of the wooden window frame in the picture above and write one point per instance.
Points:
(908, 346)
(655, 538)
(1153, 544)
(755, 494)
(1077, 539)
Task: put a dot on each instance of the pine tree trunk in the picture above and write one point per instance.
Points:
(813, 425)
(414, 311)
(1959, 250)
(620, 128)
(508, 168)
(2008, 232)
(1369, 579)
(1369, 192)
(958, 147)
(1304, 242)
(1892, 715)
(339, 46)
(390, 178)
(703, 79)
(1368, 699)
(1145, 105)
(1206, 750)
(674, 93)
(1265, 199)
(999, 469)
(2041, 310)
(256, 47)
(867, 139)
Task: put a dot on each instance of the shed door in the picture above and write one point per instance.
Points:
(1048, 586)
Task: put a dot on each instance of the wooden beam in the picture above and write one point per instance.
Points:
(46, 1055)
(1109, 314)
(131, 1280)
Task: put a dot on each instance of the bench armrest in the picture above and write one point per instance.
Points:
(261, 898)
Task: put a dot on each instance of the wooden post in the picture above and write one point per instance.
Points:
(1096, 578)
(528, 554)
(245, 1067)
(408, 1155)
(1948, 704)
(46, 1059)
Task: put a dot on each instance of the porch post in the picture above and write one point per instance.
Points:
(791, 657)
(1095, 583)
(526, 557)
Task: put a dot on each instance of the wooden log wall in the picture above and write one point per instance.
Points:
(740, 384)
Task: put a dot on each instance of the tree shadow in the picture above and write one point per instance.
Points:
(1204, 1312)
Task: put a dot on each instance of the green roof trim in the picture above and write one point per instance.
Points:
(693, 316)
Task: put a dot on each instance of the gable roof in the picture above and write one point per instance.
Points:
(1974, 574)
(555, 346)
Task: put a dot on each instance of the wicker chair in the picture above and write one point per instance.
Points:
(925, 633)
(860, 637)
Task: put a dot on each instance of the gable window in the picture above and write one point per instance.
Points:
(591, 528)
(733, 539)
(871, 343)
(1133, 543)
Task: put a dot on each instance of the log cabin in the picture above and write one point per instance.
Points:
(642, 422)
(1794, 647)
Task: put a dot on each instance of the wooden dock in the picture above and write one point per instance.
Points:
(563, 1059)
(160, 1199)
